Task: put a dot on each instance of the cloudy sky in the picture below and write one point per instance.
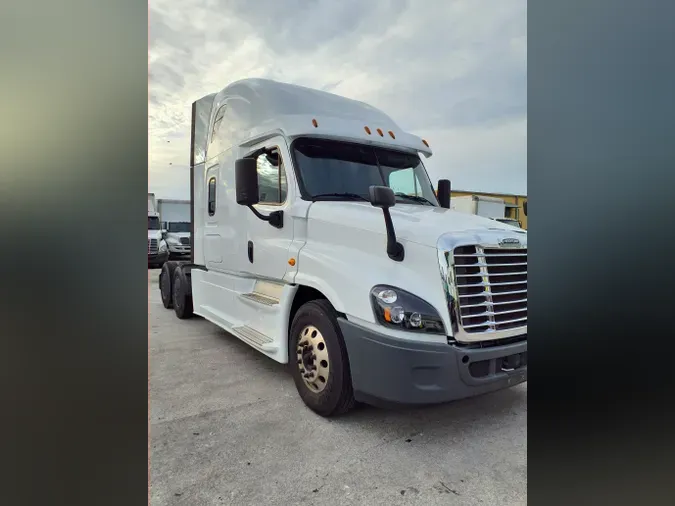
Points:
(453, 72)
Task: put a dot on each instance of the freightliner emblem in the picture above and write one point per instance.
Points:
(509, 242)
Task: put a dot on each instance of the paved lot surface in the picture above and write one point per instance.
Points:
(227, 427)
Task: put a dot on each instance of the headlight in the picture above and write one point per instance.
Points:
(398, 309)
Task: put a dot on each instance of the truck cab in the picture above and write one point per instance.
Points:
(319, 241)
(158, 251)
(175, 217)
(178, 238)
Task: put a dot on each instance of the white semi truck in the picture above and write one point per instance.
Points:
(175, 218)
(302, 249)
(158, 251)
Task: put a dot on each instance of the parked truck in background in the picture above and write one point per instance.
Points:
(158, 252)
(174, 216)
(487, 207)
(318, 241)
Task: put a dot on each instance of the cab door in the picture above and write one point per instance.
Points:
(267, 246)
(213, 254)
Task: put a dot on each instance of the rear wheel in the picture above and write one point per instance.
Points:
(181, 294)
(165, 283)
(318, 360)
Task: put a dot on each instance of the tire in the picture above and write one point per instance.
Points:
(166, 283)
(334, 396)
(181, 294)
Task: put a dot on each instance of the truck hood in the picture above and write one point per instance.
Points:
(416, 223)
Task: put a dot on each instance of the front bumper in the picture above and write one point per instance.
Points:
(388, 370)
(180, 252)
(158, 258)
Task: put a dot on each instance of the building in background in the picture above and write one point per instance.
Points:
(514, 203)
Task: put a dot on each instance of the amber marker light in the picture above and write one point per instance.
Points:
(367, 130)
(379, 131)
(291, 262)
(315, 123)
(387, 314)
(391, 134)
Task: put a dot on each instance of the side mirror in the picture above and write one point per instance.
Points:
(247, 191)
(444, 193)
(246, 181)
(384, 198)
(525, 207)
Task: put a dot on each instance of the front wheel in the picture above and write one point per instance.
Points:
(318, 360)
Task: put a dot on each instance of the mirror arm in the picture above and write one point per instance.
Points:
(275, 218)
(394, 248)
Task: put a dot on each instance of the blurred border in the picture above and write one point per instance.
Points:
(74, 277)
(600, 178)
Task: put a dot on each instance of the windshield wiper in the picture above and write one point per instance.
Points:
(349, 196)
(414, 198)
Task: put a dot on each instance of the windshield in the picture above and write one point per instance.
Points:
(153, 223)
(178, 227)
(331, 168)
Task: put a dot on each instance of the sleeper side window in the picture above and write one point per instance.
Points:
(215, 146)
(212, 196)
(272, 184)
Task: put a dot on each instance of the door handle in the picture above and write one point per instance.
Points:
(250, 251)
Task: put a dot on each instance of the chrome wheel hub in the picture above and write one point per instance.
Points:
(312, 358)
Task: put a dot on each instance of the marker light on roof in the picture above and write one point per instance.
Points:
(315, 123)
(367, 130)
(379, 131)
(391, 134)
(425, 142)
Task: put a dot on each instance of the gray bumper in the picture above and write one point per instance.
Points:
(158, 258)
(179, 254)
(388, 370)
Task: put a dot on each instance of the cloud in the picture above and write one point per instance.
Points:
(453, 72)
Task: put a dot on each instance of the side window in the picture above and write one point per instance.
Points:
(405, 181)
(272, 184)
(215, 144)
(212, 196)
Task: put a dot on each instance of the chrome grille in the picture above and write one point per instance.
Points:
(492, 288)
(152, 246)
(185, 240)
